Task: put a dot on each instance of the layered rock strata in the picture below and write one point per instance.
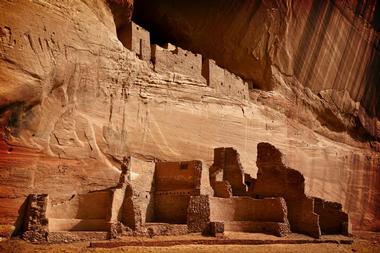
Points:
(74, 101)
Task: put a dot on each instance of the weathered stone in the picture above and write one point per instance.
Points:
(216, 228)
(198, 214)
(74, 101)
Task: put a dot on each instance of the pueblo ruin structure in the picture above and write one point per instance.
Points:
(107, 129)
(175, 198)
(170, 58)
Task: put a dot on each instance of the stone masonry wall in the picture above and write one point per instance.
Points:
(36, 222)
(136, 39)
(248, 209)
(177, 60)
(224, 81)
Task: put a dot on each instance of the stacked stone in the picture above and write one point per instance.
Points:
(36, 223)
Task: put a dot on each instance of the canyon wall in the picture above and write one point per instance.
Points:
(74, 100)
(331, 47)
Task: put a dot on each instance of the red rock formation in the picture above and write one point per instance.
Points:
(74, 101)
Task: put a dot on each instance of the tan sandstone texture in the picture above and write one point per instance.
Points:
(94, 110)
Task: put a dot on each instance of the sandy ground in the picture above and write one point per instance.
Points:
(365, 242)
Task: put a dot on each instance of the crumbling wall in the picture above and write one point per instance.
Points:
(198, 214)
(36, 222)
(142, 183)
(132, 214)
(275, 179)
(332, 219)
(250, 183)
(136, 39)
(302, 216)
(227, 162)
(213, 73)
(222, 189)
(133, 204)
(175, 59)
(224, 81)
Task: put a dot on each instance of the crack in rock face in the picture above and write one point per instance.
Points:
(144, 118)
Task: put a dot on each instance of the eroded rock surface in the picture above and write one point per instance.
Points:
(74, 101)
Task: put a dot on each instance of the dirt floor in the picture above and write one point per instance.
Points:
(363, 242)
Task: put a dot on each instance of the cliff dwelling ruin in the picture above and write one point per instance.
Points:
(142, 123)
(175, 199)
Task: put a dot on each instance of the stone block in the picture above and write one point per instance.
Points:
(216, 228)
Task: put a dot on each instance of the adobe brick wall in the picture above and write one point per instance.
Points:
(302, 218)
(213, 74)
(274, 179)
(142, 183)
(175, 182)
(332, 219)
(177, 60)
(171, 207)
(224, 81)
(58, 225)
(248, 209)
(93, 205)
(222, 189)
(227, 161)
(136, 39)
(174, 176)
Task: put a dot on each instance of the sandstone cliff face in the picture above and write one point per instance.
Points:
(330, 47)
(74, 101)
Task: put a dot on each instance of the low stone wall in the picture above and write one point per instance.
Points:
(72, 236)
(238, 214)
(165, 229)
(332, 219)
(171, 207)
(302, 217)
(59, 225)
(93, 205)
(273, 228)
(248, 209)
